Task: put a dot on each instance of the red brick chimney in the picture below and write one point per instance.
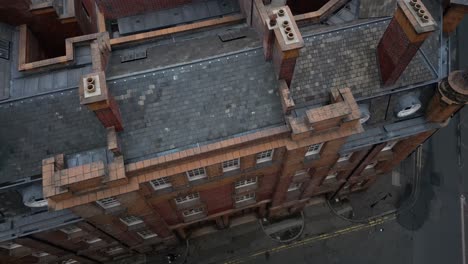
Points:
(286, 43)
(410, 26)
(96, 96)
(450, 96)
(453, 14)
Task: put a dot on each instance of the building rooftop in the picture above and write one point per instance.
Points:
(176, 99)
(43, 126)
(347, 58)
(171, 108)
(196, 103)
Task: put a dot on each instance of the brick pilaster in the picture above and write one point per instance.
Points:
(410, 26)
(293, 161)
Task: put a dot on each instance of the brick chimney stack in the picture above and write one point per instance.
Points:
(450, 97)
(453, 14)
(410, 26)
(96, 96)
(284, 44)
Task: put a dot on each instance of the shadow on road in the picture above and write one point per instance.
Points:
(414, 217)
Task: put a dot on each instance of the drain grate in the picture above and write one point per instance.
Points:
(4, 49)
(133, 55)
(231, 35)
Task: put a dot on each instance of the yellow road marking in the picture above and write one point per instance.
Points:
(309, 240)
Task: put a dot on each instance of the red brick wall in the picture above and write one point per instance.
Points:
(46, 27)
(395, 51)
(165, 209)
(87, 24)
(113, 9)
(217, 199)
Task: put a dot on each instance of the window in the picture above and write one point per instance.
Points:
(109, 202)
(331, 177)
(113, 250)
(370, 166)
(265, 156)
(10, 245)
(190, 197)
(300, 173)
(70, 229)
(294, 186)
(245, 197)
(131, 220)
(69, 261)
(389, 145)
(246, 182)
(345, 157)
(161, 183)
(40, 254)
(314, 149)
(193, 211)
(230, 165)
(196, 174)
(93, 240)
(147, 234)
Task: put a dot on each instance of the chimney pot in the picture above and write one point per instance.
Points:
(281, 12)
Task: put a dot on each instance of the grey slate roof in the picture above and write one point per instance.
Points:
(347, 58)
(195, 103)
(39, 127)
(376, 8)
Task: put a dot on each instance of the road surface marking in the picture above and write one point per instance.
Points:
(309, 240)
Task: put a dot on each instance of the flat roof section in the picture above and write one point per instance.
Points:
(347, 58)
(194, 103)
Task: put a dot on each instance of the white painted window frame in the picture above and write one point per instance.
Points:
(196, 174)
(161, 183)
(187, 198)
(294, 186)
(314, 149)
(230, 165)
(245, 197)
(131, 220)
(265, 156)
(108, 202)
(147, 234)
(245, 182)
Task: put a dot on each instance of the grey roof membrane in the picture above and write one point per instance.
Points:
(196, 103)
(347, 58)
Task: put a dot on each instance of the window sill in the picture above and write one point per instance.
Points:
(311, 157)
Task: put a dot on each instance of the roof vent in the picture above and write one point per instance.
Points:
(407, 105)
(365, 113)
(32, 196)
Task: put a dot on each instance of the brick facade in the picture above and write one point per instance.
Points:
(133, 207)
